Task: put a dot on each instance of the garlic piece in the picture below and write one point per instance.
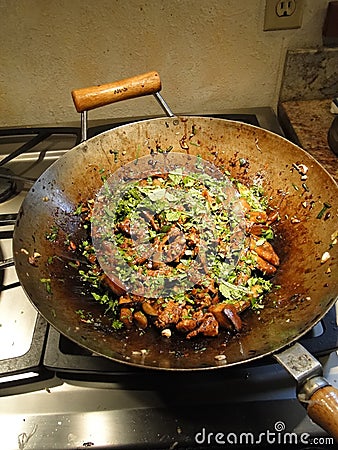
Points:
(166, 332)
(325, 257)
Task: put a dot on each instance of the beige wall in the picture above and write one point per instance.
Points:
(210, 54)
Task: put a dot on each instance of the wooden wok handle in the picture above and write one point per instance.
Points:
(323, 409)
(93, 97)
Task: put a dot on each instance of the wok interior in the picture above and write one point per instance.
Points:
(308, 288)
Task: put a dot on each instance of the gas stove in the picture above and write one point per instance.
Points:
(56, 395)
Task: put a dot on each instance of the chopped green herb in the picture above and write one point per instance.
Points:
(47, 283)
(78, 210)
(268, 234)
(117, 324)
(52, 235)
(325, 207)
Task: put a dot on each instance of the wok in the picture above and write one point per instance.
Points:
(308, 211)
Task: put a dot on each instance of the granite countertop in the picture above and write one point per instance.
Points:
(307, 123)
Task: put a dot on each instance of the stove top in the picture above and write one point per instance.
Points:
(55, 394)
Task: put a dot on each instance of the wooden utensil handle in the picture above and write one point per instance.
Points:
(323, 409)
(93, 97)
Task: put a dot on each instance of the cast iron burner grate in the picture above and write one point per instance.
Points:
(8, 185)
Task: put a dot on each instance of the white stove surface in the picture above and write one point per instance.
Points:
(16, 330)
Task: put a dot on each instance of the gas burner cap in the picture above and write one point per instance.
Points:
(8, 187)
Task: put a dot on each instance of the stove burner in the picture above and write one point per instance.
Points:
(9, 187)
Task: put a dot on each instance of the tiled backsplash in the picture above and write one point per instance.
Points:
(310, 74)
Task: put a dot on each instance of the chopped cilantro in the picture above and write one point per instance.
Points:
(52, 235)
(47, 283)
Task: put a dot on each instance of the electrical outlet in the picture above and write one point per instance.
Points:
(283, 14)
